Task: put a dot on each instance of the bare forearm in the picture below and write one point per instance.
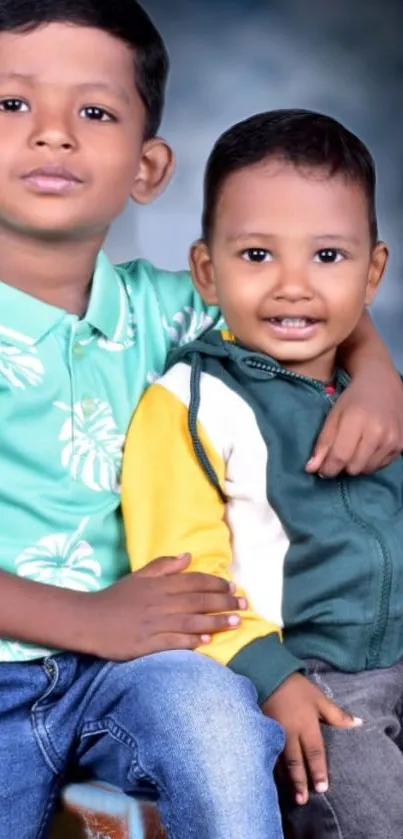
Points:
(44, 615)
(365, 346)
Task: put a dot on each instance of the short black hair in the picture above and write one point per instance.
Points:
(304, 138)
(124, 19)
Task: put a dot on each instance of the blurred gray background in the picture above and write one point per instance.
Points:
(231, 58)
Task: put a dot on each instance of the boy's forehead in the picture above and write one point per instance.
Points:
(68, 54)
(286, 197)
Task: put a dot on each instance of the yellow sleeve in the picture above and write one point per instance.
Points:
(170, 507)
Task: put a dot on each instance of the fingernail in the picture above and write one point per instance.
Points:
(234, 620)
(300, 799)
(357, 721)
(322, 787)
(205, 639)
(242, 603)
(232, 588)
(183, 556)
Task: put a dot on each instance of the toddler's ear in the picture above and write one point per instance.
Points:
(380, 255)
(155, 171)
(202, 270)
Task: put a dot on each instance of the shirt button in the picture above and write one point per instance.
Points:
(78, 351)
(88, 405)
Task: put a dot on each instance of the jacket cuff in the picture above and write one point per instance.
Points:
(267, 663)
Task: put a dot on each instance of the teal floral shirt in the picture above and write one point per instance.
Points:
(68, 388)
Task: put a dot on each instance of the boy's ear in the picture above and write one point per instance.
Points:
(202, 270)
(155, 171)
(380, 256)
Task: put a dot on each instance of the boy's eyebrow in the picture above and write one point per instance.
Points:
(103, 86)
(237, 237)
(107, 88)
(337, 237)
(18, 77)
(328, 237)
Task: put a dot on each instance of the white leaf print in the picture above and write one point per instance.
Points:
(93, 450)
(186, 326)
(128, 341)
(20, 367)
(62, 560)
(114, 346)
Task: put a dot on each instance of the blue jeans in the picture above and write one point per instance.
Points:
(177, 723)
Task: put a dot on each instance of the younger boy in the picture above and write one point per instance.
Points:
(216, 454)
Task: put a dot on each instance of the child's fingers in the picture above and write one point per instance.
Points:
(165, 566)
(332, 714)
(353, 441)
(293, 760)
(374, 451)
(365, 452)
(324, 443)
(314, 751)
(336, 446)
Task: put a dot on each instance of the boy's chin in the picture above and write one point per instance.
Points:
(59, 230)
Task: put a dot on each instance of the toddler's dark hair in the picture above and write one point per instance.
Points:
(305, 139)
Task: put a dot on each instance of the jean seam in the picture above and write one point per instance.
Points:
(109, 726)
(333, 812)
(41, 733)
(108, 665)
(50, 806)
(53, 759)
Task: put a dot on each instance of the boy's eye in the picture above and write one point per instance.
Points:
(328, 255)
(92, 112)
(13, 105)
(256, 255)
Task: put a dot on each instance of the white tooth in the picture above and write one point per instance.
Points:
(297, 323)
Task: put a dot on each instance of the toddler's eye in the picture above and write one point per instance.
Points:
(13, 105)
(256, 255)
(97, 114)
(329, 255)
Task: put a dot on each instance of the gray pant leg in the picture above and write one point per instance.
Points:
(365, 797)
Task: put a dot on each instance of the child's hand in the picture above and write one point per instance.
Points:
(159, 608)
(300, 707)
(364, 430)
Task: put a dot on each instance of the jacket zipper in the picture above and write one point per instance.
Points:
(381, 618)
(382, 609)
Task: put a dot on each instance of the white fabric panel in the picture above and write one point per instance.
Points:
(258, 538)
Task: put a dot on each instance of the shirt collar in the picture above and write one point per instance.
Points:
(108, 309)
(24, 320)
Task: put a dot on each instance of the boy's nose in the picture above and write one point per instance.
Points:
(293, 285)
(53, 132)
(54, 141)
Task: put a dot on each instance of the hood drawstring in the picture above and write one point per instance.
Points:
(195, 375)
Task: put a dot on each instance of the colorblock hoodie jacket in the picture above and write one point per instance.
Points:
(215, 466)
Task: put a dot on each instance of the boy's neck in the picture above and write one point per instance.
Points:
(58, 273)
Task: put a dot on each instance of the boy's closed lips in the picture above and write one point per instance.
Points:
(52, 180)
